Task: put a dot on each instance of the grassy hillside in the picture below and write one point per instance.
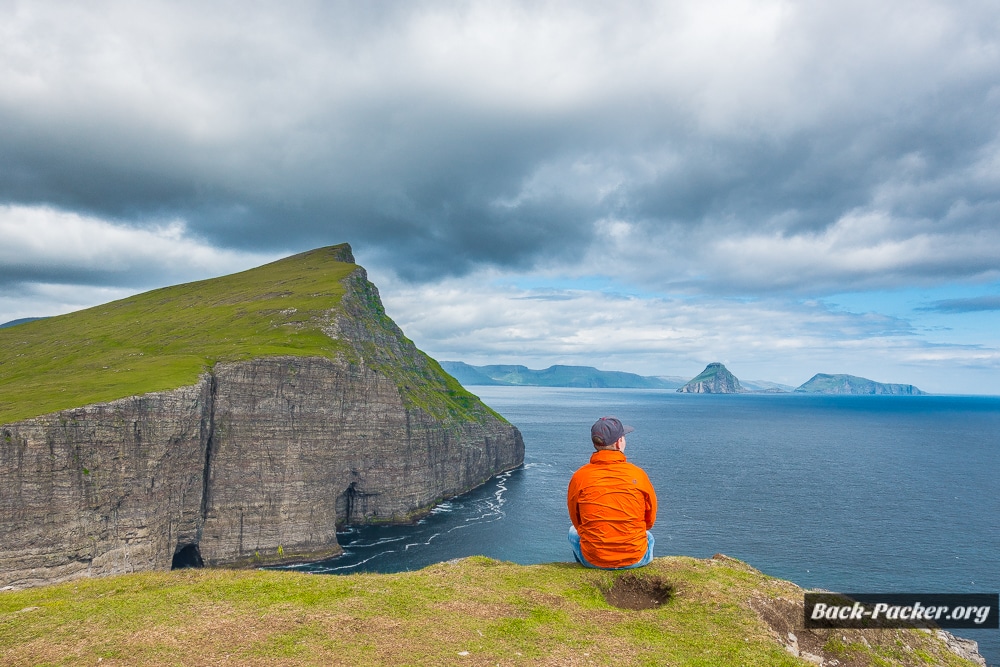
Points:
(165, 338)
(475, 611)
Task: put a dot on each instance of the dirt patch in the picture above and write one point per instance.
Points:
(633, 592)
(854, 648)
(785, 618)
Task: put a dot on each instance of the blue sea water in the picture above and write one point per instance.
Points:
(845, 493)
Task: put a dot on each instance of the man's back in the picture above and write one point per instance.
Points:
(611, 504)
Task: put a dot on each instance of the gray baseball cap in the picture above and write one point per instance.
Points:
(607, 430)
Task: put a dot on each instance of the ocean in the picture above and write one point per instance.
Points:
(844, 493)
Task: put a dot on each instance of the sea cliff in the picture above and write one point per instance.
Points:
(256, 461)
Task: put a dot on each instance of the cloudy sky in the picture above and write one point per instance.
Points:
(786, 187)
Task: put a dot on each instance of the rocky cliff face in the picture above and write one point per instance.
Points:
(258, 462)
(715, 379)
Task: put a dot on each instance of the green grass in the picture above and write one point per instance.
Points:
(475, 611)
(167, 338)
(497, 612)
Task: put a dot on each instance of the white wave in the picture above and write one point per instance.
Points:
(421, 544)
(353, 565)
(358, 544)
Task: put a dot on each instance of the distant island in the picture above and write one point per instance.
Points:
(556, 376)
(715, 379)
(822, 383)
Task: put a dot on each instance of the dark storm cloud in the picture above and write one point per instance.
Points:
(440, 137)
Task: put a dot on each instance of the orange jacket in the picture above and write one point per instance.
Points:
(612, 504)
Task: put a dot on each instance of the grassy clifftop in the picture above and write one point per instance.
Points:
(166, 338)
(474, 611)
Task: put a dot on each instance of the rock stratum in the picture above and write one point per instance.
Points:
(339, 420)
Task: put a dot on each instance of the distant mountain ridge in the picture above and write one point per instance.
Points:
(555, 376)
(715, 379)
(23, 320)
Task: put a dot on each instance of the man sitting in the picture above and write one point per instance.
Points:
(611, 503)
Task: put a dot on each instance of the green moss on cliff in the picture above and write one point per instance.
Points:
(380, 344)
(166, 338)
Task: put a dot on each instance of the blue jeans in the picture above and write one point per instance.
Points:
(574, 541)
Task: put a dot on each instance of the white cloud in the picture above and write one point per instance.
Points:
(745, 148)
(488, 319)
(865, 249)
(46, 300)
(316, 115)
(43, 241)
(210, 73)
(861, 250)
(484, 319)
(53, 262)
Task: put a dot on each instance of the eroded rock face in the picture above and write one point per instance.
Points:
(304, 444)
(104, 488)
(258, 455)
(258, 462)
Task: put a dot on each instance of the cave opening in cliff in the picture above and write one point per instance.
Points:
(187, 556)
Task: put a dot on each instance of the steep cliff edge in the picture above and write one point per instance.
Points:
(307, 409)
